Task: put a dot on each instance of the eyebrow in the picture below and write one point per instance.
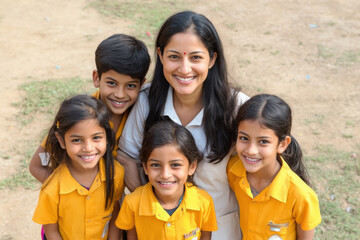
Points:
(76, 136)
(194, 52)
(135, 80)
(261, 137)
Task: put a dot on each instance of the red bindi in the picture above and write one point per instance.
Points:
(184, 53)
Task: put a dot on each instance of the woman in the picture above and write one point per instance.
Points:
(190, 85)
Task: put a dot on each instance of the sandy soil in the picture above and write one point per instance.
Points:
(307, 52)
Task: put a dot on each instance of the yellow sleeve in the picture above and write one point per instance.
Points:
(46, 211)
(209, 217)
(307, 210)
(230, 176)
(126, 218)
(118, 180)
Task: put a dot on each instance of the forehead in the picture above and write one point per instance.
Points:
(85, 127)
(253, 128)
(166, 153)
(186, 41)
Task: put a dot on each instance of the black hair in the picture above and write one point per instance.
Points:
(166, 132)
(218, 98)
(73, 110)
(124, 54)
(274, 113)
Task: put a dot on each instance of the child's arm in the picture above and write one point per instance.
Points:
(114, 232)
(40, 172)
(132, 176)
(304, 235)
(205, 235)
(52, 231)
(131, 234)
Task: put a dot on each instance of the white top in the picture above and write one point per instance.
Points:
(208, 176)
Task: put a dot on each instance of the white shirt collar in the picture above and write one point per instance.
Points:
(169, 111)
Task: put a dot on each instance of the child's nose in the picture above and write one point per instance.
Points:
(120, 93)
(165, 173)
(252, 149)
(88, 146)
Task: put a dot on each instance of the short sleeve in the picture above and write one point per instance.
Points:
(119, 181)
(307, 211)
(233, 159)
(126, 218)
(132, 136)
(209, 217)
(46, 211)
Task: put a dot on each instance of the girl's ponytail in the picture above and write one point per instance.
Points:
(294, 158)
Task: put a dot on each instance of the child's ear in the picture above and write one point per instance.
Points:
(145, 168)
(192, 168)
(142, 81)
(60, 139)
(284, 144)
(96, 78)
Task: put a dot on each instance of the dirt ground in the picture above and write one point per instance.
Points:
(307, 52)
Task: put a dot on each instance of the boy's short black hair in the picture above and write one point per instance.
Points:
(124, 54)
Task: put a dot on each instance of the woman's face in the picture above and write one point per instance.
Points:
(186, 63)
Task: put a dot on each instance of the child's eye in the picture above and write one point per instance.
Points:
(154, 165)
(175, 165)
(110, 83)
(131, 85)
(242, 138)
(263, 141)
(76, 140)
(98, 137)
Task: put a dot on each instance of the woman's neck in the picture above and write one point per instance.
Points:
(187, 107)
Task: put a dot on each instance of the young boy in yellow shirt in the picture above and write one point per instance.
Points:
(122, 62)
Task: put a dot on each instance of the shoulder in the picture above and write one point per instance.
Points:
(299, 189)
(204, 196)
(134, 197)
(241, 97)
(52, 184)
(119, 169)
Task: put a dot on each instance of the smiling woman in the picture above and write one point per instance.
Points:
(190, 86)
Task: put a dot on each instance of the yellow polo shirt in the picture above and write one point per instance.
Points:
(277, 209)
(118, 131)
(79, 212)
(142, 210)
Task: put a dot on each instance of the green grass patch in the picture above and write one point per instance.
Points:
(42, 96)
(335, 175)
(22, 178)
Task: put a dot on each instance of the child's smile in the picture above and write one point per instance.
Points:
(85, 143)
(168, 170)
(258, 147)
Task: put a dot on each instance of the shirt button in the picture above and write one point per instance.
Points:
(89, 221)
(88, 198)
(168, 224)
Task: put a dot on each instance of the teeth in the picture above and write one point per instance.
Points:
(88, 157)
(117, 102)
(166, 183)
(185, 79)
(252, 159)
